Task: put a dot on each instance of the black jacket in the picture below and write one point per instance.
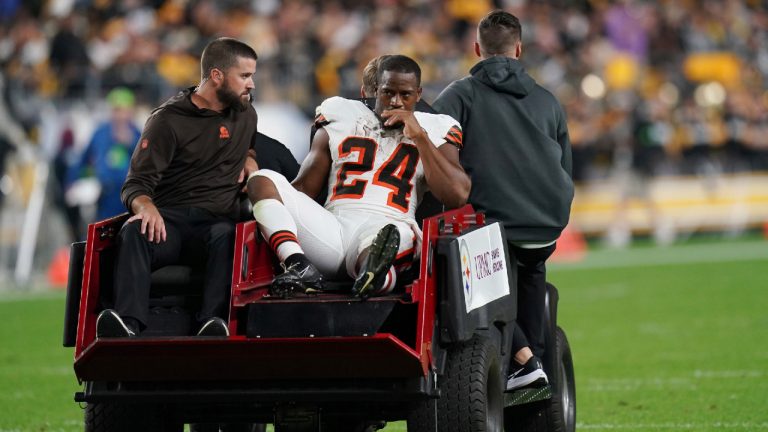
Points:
(273, 155)
(191, 157)
(516, 148)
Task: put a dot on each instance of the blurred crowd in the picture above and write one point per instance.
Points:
(656, 87)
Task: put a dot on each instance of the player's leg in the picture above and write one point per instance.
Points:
(275, 221)
(378, 248)
(376, 268)
(403, 261)
(305, 237)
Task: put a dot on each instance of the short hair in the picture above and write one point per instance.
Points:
(498, 32)
(399, 63)
(222, 54)
(371, 74)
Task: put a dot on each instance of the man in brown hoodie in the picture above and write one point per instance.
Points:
(182, 190)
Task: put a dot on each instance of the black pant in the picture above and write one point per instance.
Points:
(531, 293)
(193, 236)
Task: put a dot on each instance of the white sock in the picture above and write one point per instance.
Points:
(277, 227)
(389, 282)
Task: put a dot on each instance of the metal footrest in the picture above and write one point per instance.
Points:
(527, 395)
(298, 419)
(317, 317)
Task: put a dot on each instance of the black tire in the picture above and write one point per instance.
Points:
(104, 417)
(471, 397)
(557, 414)
(424, 417)
(227, 427)
(564, 396)
(117, 417)
(351, 425)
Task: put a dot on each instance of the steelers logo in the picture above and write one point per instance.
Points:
(466, 271)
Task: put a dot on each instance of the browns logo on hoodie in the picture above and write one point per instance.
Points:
(191, 157)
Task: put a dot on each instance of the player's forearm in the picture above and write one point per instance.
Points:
(450, 186)
(445, 178)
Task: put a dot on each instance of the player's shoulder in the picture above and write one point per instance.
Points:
(441, 128)
(440, 121)
(338, 108)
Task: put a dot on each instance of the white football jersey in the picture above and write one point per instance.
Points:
(373, 168)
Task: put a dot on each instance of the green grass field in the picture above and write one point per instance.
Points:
(663, 340)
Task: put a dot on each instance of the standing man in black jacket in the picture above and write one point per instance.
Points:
(182, 190)
(518, 155)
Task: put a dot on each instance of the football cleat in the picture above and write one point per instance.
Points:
(299, 277)
(381, 255)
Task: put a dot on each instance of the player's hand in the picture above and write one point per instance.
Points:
(411, 127)
(250, 167)
(152, 223)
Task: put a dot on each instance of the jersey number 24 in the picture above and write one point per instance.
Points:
(395, 174)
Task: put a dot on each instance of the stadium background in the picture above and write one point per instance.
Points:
(668, 115)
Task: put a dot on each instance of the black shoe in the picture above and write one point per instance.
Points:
(299, 276)
(531, 374)
(109, 324)
(214, 327)
(381, 255)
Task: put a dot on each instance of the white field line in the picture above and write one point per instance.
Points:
(633, 384)
(68, 425)
(47, 428)
(673, 255)
(675, 426)
(698, 373)
(39, 370)
(25, 296)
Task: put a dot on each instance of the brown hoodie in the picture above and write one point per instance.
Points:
(191, 157)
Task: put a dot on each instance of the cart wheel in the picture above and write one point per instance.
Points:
(472, 389)
(117, 417)
(424, 417)
(557, 414)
